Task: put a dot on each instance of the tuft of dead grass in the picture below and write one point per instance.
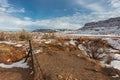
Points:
(23, 35)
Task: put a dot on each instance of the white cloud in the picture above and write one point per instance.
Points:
(59, 23)
(90, 5)
(115, 3)
(100, 10)
(27, 18)
(4, 3)
(2, 9)
(8, 22)
(5, 7)
(13, 10)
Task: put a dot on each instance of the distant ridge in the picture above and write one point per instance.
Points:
(104, 27)
(44, 30)
(50, 30)
(112, 22)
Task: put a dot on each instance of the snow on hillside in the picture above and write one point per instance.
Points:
(110, 26)
(100, 31)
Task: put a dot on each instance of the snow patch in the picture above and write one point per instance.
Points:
(38, 51)
(102, 55)
(113, 50)
(19, 45)
(49, 41)
(116, 64)
(19, 64)
(82, 48)
(73, 42)
(116, 56)
(7, 42)
(114, 43)
(106, 65)
(115, 76)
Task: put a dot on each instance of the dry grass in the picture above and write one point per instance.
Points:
(48, 36)
(23, 35)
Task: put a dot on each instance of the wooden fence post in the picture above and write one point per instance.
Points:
(38, 73)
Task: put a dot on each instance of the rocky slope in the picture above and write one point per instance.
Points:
(112, 22)
(106, 27)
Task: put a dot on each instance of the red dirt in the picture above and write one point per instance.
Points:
(57, 62)
(10, 54)
(60, 63)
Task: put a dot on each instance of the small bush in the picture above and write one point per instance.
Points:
(95, 48)
(2, 36)
(49, 36)
(24, 35)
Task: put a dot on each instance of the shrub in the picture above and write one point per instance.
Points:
(24, 35)
(49, 36)
(95, 48)
(2, 36)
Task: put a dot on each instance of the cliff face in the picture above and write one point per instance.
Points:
(112, 22)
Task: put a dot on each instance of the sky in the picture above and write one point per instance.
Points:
(54, 14)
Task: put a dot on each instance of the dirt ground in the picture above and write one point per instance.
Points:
(10, 54)
(69, 63)
(56, 61)
(15, 74)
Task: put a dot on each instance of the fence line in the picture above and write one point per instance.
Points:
(38, 73)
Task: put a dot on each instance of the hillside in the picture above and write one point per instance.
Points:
(112, 22)
(105, 27)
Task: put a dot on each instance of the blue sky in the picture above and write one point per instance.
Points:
(54, 14)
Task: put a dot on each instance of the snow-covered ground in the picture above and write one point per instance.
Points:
(114, 43)
(19, 64)
(49, 41)
(73, 42)
(77, 35)
(104, 31)
(99, 31)
(8, 42)
(115, 63)
(115, 58)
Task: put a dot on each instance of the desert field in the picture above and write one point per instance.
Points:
(59, 56)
